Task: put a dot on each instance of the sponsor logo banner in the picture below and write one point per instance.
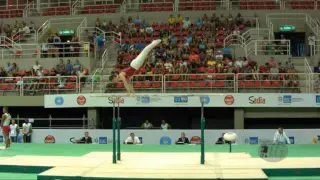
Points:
(165, 140)
(49, 139)
(103, 140)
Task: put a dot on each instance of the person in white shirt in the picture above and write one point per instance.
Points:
(26, 130)
(37, 66)
(147, 125)
(149, 30)
(312, 43)
(280, 137)
(186, 23)
(14, 131)
(132, 139)
(164, 125)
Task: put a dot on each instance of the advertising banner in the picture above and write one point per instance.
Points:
(184, 100)
(167, 137)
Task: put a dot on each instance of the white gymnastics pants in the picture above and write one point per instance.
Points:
(141, 58)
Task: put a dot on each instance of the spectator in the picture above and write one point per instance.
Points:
(100, 42)
(86, 139)
(26, 131)
(146, 125)
(132, 139)
(140, 46)
(179, 19)
(186, 23)
(61, 68)
(69, 67)
(76, 68)
(44, 50)
(98, 23)
(272, 62)
(183, 139)
(274, 73)
(280, 137)
(199, 23)
(14, 131)
(37, 66)
(312, 43)
(239, 19)
(171, 20)
(8, 67)
(164, 125)
(14, 70)
(149, 30)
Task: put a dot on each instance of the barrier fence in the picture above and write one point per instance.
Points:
(169, 83)
(48, 50)
(268, 47)
(69, 8)
(54, 123)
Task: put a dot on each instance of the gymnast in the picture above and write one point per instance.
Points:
(126, 74)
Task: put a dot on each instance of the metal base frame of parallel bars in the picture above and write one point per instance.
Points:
(116, 123)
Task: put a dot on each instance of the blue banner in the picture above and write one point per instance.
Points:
(165, 140)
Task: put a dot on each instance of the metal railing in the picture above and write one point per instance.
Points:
(148, 7)
(9, 47)
(82, 25)
(21, 36)
(48, 50)
(50, 85)
(91, 31)
(301, 4)
(315, 83)
(234, 40)
(113, 37)
(96, 9)
(268, 47)
(27, 9)
(158, 83)
(11, 13)
(223, 82)
(201, 5)
(256, 34)
(53, 123)
(274, 82)
(255, 5)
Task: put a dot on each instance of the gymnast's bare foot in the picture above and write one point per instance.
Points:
(156, 42)
(132, 95)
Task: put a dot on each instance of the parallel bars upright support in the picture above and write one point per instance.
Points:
(116, 123)
(202, 122)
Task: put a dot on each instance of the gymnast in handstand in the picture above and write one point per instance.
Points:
(126, 74)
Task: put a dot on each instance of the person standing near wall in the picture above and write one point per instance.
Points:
(26, 130)
(14, 131)
(280, 137)
(312, 43)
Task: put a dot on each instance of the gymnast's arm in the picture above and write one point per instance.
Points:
(126, 84)
(2, 120)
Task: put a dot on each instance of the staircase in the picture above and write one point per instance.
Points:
(302, 66)
(9, 48)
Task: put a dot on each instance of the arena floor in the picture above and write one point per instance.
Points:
(89, 162)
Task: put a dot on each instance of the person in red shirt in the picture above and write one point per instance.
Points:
(126, 74)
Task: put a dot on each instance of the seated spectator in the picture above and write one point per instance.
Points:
(98, 23)
(183, 139)
(173, 39)
(239, 19)
(76, 68)
(14, 70)
(280, 137)
(274, 73)
(146, 125)
(138, 20)
(194, 57)
(171, 20)
(132, 139)
(186, 23)
(164, 125)
(86, 139)
(69, 68)
(37, 66)
(179, 19)
(61, 68)
(199, 23)
(272, 62)
(8, 67)
(140, 46)
(149, 30)
(2, 72)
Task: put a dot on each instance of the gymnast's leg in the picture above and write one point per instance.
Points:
(141, 58)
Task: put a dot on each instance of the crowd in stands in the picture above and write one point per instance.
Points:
(38, 78)
(193, 48)
(18, 28)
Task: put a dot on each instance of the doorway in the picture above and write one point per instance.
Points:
(297, 42)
